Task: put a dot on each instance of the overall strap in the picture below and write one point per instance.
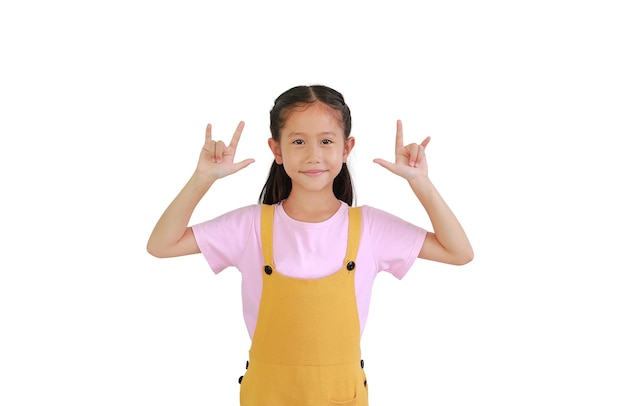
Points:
(354, 236)
(267, 225)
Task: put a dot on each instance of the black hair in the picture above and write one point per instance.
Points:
(278, 184)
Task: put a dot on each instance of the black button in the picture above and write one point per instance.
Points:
(240, 379)
(247, 363)
(362, 364)
(364, 383)
(350, 265)
(268, 269)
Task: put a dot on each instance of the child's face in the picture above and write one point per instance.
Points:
(312, 147)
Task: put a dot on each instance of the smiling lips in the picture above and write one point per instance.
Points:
(314, 172)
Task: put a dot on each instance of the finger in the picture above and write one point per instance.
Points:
(421, 154)
(385, 164)
(207, 135)
(210, 148)
(240, 165)
(425, 142)
(219, 151)
(237, 135)
(413, 150)
(399, 135)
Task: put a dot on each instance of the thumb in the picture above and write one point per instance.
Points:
(240, 165)
(385, 164)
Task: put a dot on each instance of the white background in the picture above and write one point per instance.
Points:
(102, 116)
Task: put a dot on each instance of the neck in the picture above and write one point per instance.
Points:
(311, 208)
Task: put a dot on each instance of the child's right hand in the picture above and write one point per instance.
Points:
(216, 159)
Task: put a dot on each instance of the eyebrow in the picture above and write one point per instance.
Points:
(299, 134)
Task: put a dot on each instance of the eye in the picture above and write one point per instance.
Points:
(327, 141)
(298, 142)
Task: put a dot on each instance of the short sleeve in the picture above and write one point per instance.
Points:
(223, 240)
(395, 243)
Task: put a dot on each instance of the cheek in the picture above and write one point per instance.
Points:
(345, 155)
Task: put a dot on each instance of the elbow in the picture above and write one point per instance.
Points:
(154, 251)
(464, 261)
(465, 257)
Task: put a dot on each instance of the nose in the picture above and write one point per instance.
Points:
(313, 153)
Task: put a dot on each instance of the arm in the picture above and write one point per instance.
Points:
(172, 235)
(448, 243)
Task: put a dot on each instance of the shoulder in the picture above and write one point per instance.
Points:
(382, 223)
(394, 243)
(243, 217)
(252, 210)
(234, 218)
(373, 214)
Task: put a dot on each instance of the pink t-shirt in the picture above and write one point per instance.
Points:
(308, 250)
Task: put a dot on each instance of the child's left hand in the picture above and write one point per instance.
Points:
(410, 159)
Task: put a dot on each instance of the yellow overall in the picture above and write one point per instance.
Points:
(306, 345)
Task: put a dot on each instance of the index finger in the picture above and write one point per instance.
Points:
(207, 135)
(399, 135)
(235, 140)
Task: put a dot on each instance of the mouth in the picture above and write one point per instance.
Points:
(314, 172)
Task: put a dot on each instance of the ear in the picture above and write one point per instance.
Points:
(275, 148)
(348, 145)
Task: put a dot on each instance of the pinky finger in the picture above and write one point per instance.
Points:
(421, 154)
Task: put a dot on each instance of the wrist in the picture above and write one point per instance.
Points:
(422, 186)
(420, 182)
(201, 180)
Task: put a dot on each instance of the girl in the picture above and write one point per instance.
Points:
(307, 258)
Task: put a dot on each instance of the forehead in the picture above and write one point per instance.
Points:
(313, 118)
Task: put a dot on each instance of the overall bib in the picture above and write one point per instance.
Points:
(306, 345)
